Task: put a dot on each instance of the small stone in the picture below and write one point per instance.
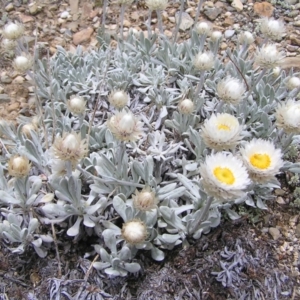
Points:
(297, 23)
(213, 13)
(280, 200)
(297, 230)
(229, 33)
(5, 78)
(209, 4)
(263, 9)
(33, 8)
(171, 19)
(19, 79)
(13, 106)
(164, 15)
(74, 6)
(292, 48)
(1, 89)
(237, 4)
(127, 23)
(168, 33)
(228, 21)
(135, 15)
(82, 36)
(65, 15)
(9, 7)
(186, 21)
(295, 40)
(279, 192)
(275, 233)
(25, 18)
(223, 46)
(4, 98)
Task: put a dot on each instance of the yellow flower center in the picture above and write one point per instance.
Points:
(223, 127)
(224, 175)
(260, 161)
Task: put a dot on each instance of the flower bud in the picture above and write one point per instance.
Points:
(293, 83)
(76, 105)
(203, 28)
(27, 128)
(204, 61)
(157, 4)
(18, 166)
(13, 31)
(22, 63)
(118, 99)
(8, 44)
(144, 200)
(276, 71)
(134, 232)
(186, 107)
(216, 36)
(246, 37)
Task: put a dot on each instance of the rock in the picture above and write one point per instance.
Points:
(127, 23)
(228, 21)
(9, 7)
(19, 79)
(275, 233)
(5, 78)
(74, 6)
(33, 8)
(171, 19)
(229, 33)
(82, 36)
(25, 18)
(263, 9)
(13, 106)
(279, 192)
(168, 33)
(186, 21)
(213, 13)
(135, 16)
(1, 89)
(295, 40)
(65, 15)
(4, 98)
(280, 200)
(297, 231)
(291, 48)
(297, 23)
(237, 4)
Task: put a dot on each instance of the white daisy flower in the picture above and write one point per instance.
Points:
(268, 56)
(221, 132)
(262, 160)
(224, 176)
(203, 28)
(288, 116)
(76, 105)
(204, 61)
(231, 90)
(22, 63)
(125, 126)
(246, 37)
(186, 106)
(118, 99)
(272, 29)
(13, 31)
(145, 199)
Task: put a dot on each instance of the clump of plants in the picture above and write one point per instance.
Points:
(141, 147)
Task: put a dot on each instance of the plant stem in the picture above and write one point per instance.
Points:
(104, 15)
(200, 83)
(197, 13)
(149, 23)
(69, 168)
(56, 250)
(179, 21)
(160, 25)
(122, 19)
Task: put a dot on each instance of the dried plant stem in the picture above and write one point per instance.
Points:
(198, 12)
(86, 277)
(160, 24)
(261, 75)
(98, 98)
(179, 21)
(200, 83)
(57, 252)
(104, 15)
(122, 20)
(149, 23)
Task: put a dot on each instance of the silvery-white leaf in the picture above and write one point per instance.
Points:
(260, 204)
(87, 221)
(191, 167)
(7, 198)
(40, 251)
(232, 214)
(157, 254)
(33, 225)
(74, 230)
(125, 253)
(46, 238)
(176, 193)
(113, 272)
(132, 267)
(47, 198)
(110, 225)
(166, 189)
(24, 234)
(120, 207)
(109, 236)
(37, 242)
(103, 254)
(170, 238)
(100, 265)
(190, 186)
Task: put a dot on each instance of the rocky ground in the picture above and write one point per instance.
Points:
(263, 246)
